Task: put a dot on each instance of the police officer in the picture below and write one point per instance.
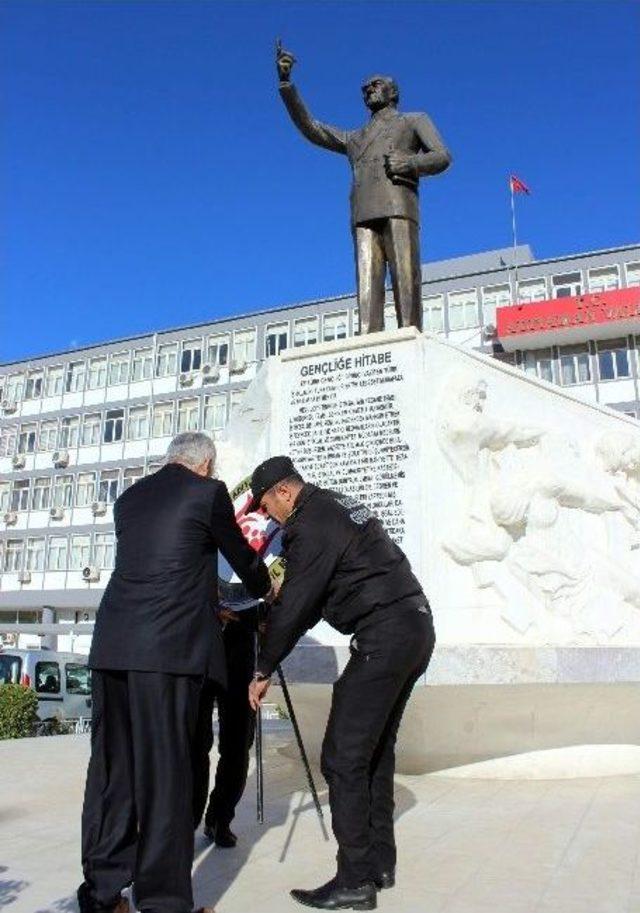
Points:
(342, 566)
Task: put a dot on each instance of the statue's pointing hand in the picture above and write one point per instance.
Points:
(284, 62)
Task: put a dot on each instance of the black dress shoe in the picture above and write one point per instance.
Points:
(333, 897)
(221, 834)
(385, 880)
(88, 904)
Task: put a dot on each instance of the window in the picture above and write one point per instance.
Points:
(55, 381)
(613, 360)
(104, 550)
(20, 494)
(575, 365)
(633, 273)
(494, 297)
(335, 326)
(14, 388)
(75, 376)
(91, 427)
(97, 373)
(218, 350)
(604, 279)
(41, 498)
(131, 475)
(69, 431)
(85, 489)
(244, 345)
(153, 467)
(57, 558)
(5, 496)
(305, 332)
(48, 436)
(80, 547)
(463, 310)
(48, 677)
(108, 487)
(142, 364)
(167, 359)
(13, 553)
(191, 359)
(567, 286)
(35, 555)
(433, 313)
(138, 424)
(63, 491)
(27, 438)
(187, 415)
(118, 368)
(10, 669)
(215, 412)
(276, 339)
(532, 290)
(390, 317)
(77, 678)
(113, 426)
(539, 362)
(8, 438)
(162, 425)
(33, 389)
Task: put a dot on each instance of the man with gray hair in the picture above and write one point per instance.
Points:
(157, 638)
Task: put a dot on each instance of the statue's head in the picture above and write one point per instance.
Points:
(380, 92)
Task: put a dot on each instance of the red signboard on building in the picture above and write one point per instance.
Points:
(598, 315)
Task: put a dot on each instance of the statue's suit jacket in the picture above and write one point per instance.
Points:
(158, 610)
(373, 194)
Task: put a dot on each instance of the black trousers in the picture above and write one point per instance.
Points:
(137, 819)
(358, 753)
(236, 726)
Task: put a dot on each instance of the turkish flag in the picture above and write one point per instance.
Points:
(518, 186)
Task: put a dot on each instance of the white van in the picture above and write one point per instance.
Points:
(61, 681)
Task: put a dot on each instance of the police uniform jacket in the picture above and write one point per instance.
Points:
(340, 565)
(374, 195)
(158, 610)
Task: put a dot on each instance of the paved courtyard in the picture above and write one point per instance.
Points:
(466, 845)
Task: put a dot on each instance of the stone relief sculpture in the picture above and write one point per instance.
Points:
(544, 522)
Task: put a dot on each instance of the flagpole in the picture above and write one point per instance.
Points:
(515, 237)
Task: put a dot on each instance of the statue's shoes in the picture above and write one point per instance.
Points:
(332, 896)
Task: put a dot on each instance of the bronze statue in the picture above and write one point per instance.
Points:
(388, 156)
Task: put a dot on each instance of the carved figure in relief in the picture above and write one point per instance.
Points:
(527, 510)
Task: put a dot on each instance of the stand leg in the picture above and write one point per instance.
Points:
(303, 754)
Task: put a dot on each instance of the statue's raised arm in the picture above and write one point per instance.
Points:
(324, 135)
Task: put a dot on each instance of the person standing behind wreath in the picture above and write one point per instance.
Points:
(157, 638)
(236, 727)
(341, 565)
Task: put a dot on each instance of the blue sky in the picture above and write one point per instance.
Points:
(151, 177)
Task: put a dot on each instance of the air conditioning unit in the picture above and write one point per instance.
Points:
(24, 576)
(11, 517)
(186, 380)
(60, 458)
(9, 406)
(56, 513)
(90, 573)
(210, 374)
(99, 508)
(237, 366)
(19, 461)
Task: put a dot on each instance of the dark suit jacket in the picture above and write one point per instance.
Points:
(158, 610)
(374, 195)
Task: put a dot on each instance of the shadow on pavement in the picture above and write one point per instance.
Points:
(9, 888)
